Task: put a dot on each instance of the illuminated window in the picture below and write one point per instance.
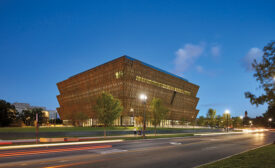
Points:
(119, 74)
(155, 83)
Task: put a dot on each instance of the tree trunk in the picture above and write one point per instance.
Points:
(104, 131)
(155, 130)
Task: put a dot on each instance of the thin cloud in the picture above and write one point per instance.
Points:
(186, 56)
(212, 105)
(201, 70)
(215, 51)
(253, 54)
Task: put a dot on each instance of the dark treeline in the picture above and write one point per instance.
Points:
(217, 121)
(9, 116)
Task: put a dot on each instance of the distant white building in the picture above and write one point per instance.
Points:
(53, 114)
(50, 114)
(26, 106)
(21, 106)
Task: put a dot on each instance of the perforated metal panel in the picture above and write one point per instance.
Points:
(126, 78)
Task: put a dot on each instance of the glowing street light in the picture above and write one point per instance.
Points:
(250, 122)
(143, 98)
(270, 120)
(227, 112)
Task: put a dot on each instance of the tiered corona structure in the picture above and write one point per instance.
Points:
(126, 78)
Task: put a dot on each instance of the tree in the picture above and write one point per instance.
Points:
(183, 120)
(7, 113)
(107, 109)
(139, 120)
(201, 121)
(237, 122)
(80, 118)
(41, 117)
(265, 74)
(219, 121)
(270, 113)
(260, 121)
(211, 117)
(29, 116)
(158, 112)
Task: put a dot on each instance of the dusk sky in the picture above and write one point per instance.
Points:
(210, 43)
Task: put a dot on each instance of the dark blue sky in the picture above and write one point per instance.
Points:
(210, 43)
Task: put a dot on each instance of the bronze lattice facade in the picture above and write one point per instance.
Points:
(126, 78)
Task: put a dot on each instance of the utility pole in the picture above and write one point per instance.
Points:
(143, 98)
(227, 122)
(36, 125)
(144, 122)
(227, 112)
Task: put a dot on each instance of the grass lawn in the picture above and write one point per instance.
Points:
(72, 129)
(263, 157)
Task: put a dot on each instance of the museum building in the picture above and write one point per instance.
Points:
(126, 78)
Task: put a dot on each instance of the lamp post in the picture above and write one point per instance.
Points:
(132, 110)
(270, 119)
(227, 112)
(241, 117)
(143, 98)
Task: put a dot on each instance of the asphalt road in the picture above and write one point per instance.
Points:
(165, 152)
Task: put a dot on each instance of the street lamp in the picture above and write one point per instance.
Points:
(250, 122)
(132, 111)
(241, 117)
(270, 119)
(227, 112)
(143, 98)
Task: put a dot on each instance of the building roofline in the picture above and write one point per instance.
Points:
(133, 59)
(158, 69)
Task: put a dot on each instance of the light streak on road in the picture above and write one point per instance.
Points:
(254, 130)
(52, 150)
(59, 144)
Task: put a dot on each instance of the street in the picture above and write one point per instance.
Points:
(164, 152)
